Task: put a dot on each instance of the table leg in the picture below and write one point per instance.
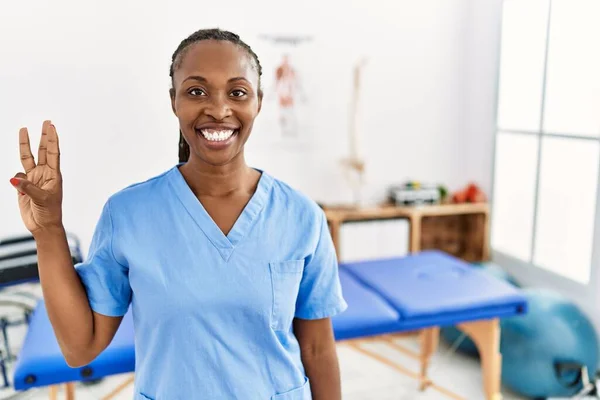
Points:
(53, 393)
(486, 336)
(356, 345)
(415, 234)
(129, 381)
(430, 339)
(70, 391)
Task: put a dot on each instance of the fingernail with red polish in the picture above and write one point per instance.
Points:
(14, 181)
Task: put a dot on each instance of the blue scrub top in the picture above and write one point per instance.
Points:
(213, 312)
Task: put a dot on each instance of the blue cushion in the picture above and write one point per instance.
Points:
(434, 288)
(367, 313)
(41, 363)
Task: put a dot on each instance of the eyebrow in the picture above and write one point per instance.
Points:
(203, 79)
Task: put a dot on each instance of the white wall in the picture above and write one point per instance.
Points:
(99, 70)
(482, 66)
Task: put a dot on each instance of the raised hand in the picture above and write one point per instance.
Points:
(40, 186)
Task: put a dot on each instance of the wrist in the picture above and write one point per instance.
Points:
(50, 231)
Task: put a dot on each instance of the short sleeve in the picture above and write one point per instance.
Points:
(106, 281)
(320, 294)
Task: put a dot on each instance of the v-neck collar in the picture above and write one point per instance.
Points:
(224, 244)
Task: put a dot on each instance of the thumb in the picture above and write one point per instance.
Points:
(23, 185)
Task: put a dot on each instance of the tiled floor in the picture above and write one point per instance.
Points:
(363, 378)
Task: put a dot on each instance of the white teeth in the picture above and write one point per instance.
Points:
(217, 135)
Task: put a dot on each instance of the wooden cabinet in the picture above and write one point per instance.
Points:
(458, 229)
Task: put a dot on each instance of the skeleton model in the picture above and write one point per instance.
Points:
(353, 165)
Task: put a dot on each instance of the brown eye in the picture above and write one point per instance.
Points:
(238, 93)
(196, 92)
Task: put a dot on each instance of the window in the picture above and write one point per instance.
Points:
(547, 151)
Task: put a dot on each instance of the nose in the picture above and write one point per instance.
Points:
(218, 108)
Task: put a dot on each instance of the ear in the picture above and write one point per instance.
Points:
(172, 95)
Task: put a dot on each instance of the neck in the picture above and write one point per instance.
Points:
(218, 180)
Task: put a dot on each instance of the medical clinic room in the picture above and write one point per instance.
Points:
(311, 200)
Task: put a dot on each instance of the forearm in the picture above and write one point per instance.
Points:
(322, 369)
(64, 295)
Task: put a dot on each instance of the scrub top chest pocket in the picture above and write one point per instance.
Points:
(285, 280)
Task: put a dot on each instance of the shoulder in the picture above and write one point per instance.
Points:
(297, 212)
(140, 194)
(297, 217)
(295, 200)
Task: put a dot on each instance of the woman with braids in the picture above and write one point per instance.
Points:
(231, 274)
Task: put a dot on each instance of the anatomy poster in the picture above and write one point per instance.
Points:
(286, 61)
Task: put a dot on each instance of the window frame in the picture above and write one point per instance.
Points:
(527, 272)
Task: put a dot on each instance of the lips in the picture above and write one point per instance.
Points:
(217, 126)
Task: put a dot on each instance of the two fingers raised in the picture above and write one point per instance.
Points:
(48, 151)
(48, 155)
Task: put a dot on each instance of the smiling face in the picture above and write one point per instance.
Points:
(216, 98)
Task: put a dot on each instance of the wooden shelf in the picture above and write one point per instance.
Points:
(388, 211)
(459, 229)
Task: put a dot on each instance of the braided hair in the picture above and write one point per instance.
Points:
(207, 34)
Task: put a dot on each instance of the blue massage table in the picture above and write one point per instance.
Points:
(417, 293)
(40, 362)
